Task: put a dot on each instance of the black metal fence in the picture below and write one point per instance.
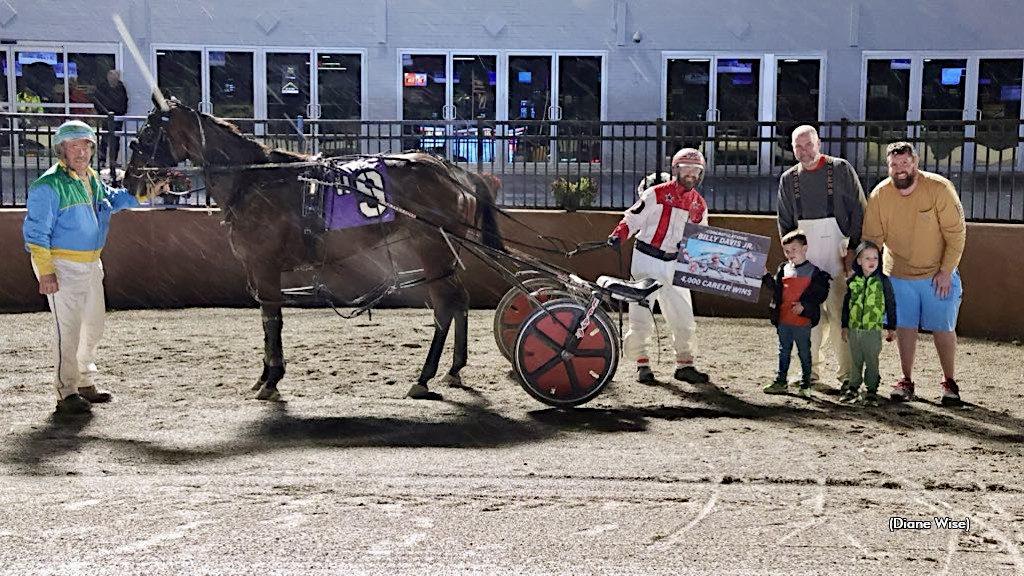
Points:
(745, 159)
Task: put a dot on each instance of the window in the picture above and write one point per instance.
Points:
(87, 72)
(39, 79)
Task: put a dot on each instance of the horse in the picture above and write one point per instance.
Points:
(260, 195)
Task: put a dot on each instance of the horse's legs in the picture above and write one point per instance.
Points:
(267, 288)
(449, 299)
(442, 322)
(461, 318)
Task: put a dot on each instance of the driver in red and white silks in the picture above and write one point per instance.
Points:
(658, 220)
(823, 197)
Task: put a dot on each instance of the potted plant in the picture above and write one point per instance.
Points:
(572, 195)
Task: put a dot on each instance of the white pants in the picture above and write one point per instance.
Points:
(829, 329)
(676, 306)
(78, 309)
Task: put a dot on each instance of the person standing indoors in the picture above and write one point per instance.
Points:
(917, 218)
(66, 223)
(658, 220)
(823, 197)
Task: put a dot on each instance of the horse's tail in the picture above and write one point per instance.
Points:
(487, 186)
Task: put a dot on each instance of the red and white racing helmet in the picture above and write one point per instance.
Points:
(689, 157)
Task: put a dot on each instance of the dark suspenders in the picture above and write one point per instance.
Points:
(829, 174)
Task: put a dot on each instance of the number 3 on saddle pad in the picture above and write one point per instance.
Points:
(355, 199)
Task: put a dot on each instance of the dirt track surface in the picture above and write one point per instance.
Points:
(184, 473)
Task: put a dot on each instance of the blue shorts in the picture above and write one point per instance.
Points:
(919, 307)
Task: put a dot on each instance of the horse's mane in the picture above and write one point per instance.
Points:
(259, 150)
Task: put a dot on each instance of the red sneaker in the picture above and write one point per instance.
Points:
(903, 391)
(950, 393)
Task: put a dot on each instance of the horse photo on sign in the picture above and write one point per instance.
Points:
(720, 261)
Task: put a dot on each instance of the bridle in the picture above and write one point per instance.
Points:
(161, 158)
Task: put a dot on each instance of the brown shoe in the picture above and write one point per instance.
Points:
(95, 396)
(73, 404)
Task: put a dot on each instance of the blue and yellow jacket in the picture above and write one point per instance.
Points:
(68, 218)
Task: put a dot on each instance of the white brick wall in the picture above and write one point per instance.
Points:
(382, 27)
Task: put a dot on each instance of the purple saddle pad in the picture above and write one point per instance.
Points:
(353, 201)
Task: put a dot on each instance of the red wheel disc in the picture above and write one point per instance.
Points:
(555, 364)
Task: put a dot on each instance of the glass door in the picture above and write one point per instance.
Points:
(719, 97)
(579, 100)
(886, 105)
(425, 102)
(474, 106)
(337, 106)
(737, 104)
(998, 112)
(530, 109)
(688, 104)
(230, 85)
(448, 95)
(179, 74)
(797, 102)
(289, 104)
(943, 98)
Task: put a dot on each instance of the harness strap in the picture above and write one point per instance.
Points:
(645, 248)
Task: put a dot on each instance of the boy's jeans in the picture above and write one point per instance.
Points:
(865, 348)
(801, 336)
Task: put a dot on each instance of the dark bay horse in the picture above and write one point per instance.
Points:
(261, 200)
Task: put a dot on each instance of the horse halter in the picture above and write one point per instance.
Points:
(161, 157)
(160, 150)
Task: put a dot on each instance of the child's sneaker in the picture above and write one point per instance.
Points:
(847, 395)
(903, 391)
(777, 387)
(805, 390)
(870, 398)
(950, 393)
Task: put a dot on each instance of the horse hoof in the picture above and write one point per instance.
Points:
(420, 392)
(259, 384)
(452, 380)
(268, 394)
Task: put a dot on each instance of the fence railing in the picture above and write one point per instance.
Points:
(984, 159)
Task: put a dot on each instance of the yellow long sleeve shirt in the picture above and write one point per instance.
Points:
(923, 233)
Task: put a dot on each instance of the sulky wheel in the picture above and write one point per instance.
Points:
(559, 364)
(515, 306)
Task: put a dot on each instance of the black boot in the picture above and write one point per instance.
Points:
(691, 375)
(644, 375)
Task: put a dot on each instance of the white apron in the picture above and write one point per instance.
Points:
(826, 249)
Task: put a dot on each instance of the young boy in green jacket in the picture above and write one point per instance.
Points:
(868, 308)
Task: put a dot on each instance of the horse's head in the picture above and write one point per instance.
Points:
(167, 138)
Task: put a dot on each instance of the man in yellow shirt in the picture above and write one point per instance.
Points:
(917, 215)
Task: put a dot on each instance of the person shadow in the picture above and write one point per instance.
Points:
(58, 435)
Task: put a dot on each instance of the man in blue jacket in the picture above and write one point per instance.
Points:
(65, 229)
